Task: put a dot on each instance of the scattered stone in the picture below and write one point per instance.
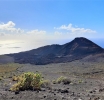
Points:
(17, 92)
(43, 89)
(101, 90)
(72, 94)
(12, 97)
(44, 96)
(54, 94)
(65, 91)
(97, 98)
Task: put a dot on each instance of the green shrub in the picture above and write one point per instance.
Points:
(54, 81)
(15, 78)
(63, 80)
(80, 81)
(37, 81)
(27, 81)
(46, 84)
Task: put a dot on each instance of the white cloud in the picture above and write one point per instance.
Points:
(37, 32)
(75, 29)
(9, 28)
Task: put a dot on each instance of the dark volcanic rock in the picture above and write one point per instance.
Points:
(76, 49)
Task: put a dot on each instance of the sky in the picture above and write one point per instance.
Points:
(29, 24)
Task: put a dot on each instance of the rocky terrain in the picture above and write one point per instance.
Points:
(87, 81)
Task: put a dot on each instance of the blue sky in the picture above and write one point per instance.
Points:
(28, 24)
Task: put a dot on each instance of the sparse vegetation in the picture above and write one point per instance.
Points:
(46, 84)
(54, 82)
(80, 81)
(63, 80)
(60, 79)
(15, 78)
(27, 81)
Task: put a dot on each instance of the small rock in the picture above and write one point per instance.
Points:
(44, 96)
(17, 92)
(64, 91)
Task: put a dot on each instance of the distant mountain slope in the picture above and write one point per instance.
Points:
(98, 58)
(6, 59)
(80, 46)
(76, 49)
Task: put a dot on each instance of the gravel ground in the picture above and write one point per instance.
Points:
(87, 82)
